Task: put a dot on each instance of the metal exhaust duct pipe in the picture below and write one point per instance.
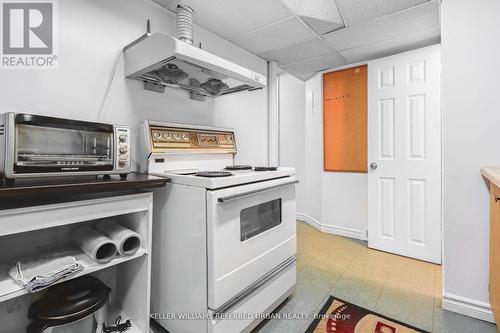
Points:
(185, 24)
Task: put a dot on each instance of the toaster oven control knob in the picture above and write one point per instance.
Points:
(122, 163)
(123, 138)
(123, 150)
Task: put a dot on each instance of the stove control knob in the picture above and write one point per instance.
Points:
(123, 138)
(177, 136)
(157, 135)
(185, 136)
(167, 135)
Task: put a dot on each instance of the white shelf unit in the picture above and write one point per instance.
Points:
(30, 231)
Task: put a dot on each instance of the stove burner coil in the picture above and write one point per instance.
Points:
(265, 169)
(213, 174)
(238, 167)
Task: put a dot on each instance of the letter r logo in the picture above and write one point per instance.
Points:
(27, 28)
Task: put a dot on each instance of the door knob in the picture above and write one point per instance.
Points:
(373, 165)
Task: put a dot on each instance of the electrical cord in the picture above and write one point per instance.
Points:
(108, 88)
(119, 326)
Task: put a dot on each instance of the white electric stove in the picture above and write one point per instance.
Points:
(224, 241)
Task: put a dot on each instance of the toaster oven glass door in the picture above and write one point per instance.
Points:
(54, 149)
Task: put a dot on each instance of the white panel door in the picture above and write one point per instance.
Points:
(404, 152)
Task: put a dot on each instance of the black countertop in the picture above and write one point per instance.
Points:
(26, 191)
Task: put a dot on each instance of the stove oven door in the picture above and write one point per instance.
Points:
(251, 232)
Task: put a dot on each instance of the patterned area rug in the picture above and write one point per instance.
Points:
(338, 316)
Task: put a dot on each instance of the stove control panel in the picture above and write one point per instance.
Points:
(168, 139)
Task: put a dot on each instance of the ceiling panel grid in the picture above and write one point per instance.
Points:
(308, 36)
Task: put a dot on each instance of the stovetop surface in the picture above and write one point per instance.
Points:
(238, 177)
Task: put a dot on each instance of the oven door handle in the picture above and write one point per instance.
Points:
(244, 194)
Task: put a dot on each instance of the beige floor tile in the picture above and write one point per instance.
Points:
(411, 307)
(358, 289)
(320, 242)
(333, 263)
(410, 267)
(376, 259)
(302, 260)
(420, 282)
(361, 284)
(367, 272)
(325, 252)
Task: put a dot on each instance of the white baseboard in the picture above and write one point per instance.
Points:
(309, 220)
(468, 307)
(340, 231)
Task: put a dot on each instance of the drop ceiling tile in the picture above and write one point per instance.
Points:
(321, 26)
(274, 36)
(305, 76)
(321, 15)
(393, 46)
(397, 25)
(357, 11)
(294, 5)
(314, 65)
(228, 18)
(296, 52)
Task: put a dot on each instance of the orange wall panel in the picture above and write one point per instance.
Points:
(345, 120)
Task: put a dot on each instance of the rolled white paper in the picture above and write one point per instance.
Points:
(127, 241)
(97, 246)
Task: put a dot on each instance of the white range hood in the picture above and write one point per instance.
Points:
(163, 61)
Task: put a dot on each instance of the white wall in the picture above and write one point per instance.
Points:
(471, 137)
(91, 36)
(246, 112)
(335, 200)
(291, 132)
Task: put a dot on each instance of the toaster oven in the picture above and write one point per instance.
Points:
(40, 146)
